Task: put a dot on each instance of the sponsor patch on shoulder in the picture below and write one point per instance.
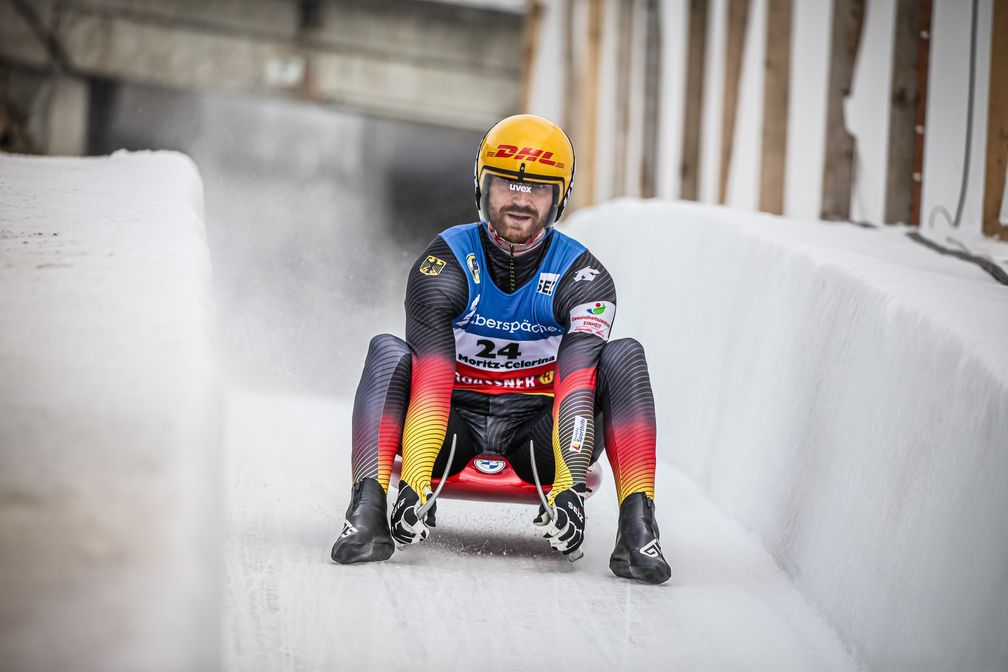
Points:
(432, 265)
(593, 318)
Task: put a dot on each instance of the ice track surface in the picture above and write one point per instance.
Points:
(484, 591)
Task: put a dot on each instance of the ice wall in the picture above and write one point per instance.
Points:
(843, 392)
(109, 430)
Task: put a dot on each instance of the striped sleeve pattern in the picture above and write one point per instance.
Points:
(574, 385)
(629, 411)
(379, 407)
(432, 301)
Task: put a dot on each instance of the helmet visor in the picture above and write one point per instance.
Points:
(518, 198)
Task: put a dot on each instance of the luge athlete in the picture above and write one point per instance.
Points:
(507, 341)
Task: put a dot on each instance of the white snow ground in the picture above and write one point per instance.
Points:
(484, 592)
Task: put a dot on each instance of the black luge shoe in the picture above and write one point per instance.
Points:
(365, 536)
(637, 554)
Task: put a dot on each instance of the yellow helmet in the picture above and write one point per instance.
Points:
(525, 148)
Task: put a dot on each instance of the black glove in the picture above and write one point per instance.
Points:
(566, 531)
(406, 527)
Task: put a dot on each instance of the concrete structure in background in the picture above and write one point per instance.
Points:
(434, 62)
(67, 122)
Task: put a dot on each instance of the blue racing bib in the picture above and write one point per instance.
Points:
(508, 342)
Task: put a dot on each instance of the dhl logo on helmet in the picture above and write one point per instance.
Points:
(529, 154)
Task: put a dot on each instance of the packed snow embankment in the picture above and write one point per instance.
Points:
(843, 393)
(109, 417)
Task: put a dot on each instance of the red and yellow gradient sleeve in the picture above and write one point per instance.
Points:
(574, 410)
(437, 290)
(426, 419)
(586, 304)
(628, 408)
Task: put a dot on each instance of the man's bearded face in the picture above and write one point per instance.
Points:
(518, 210)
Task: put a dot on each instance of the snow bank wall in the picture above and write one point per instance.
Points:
(843, 393)
(109, 430)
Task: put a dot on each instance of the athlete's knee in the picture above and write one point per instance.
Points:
(387, 345)
(622, 366)
(620, 352)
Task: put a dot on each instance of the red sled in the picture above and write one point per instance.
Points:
(489, 477)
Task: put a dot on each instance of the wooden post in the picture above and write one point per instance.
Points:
(652, 96)
(838, 170)
(738, 17)
(533, 16)
(696, 57)
(588, 126)
(624, 59)
(997, 125)
(570, 71)
(776, 93)
(903, 106)
(920, 116)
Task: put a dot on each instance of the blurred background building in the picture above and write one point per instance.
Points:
(333, 133)
(335, 139)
